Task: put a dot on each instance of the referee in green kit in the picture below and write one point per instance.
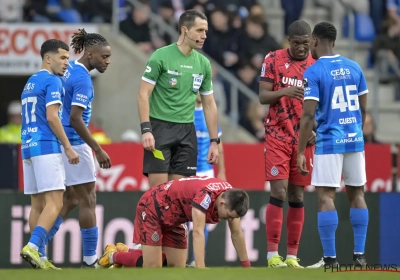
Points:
(166, 101)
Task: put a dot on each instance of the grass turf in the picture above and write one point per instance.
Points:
(192, 274)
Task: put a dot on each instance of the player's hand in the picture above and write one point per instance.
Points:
(294, 92)
(148, 141)
(302, 164)
(311, 140)
(213, 153)
(103, 159)
(72, 156)
(222, 176)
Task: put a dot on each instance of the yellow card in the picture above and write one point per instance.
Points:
(158, 154)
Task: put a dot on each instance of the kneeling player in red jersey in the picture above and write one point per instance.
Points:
(281, 86)
(163, 211)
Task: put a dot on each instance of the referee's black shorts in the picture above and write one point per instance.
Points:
(178, 143)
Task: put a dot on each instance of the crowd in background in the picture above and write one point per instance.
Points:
(238, 37)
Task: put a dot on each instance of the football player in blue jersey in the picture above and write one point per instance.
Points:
(81, 178)
(335, 94)
(41, 135)
(204, 168)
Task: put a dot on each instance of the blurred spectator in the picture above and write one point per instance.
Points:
(11, 10)
(35, 11)
(222, 42)
(256, 10)
(257, 42)
(386, 49)
(247, 73)
(11, 132)
(369, 129)
(338, 10)
(205, 6)
(137, 28)
(64, 10)
(160, 37)
(393, 8)
(293, 11)
(219, 90)
(254, 123)
(100, 11)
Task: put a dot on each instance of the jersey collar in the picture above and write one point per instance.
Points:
(80, 64)
(330, 56)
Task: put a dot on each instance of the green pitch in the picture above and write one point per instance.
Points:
(190, 274)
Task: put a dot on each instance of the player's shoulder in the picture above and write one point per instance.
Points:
(351, 63)
(163, 51)
(277, 54)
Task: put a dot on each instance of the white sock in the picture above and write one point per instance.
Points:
(110, 258)
(90, 260)
(291, 257)
(44, 259)
(271, 254)
(358, 253)
(333, 257)
(33, 246)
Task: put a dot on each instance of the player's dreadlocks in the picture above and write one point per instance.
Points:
(325, 31)
(299, 28)
(82, 40)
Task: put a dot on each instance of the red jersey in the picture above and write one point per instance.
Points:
(282, 70)
(173, 201)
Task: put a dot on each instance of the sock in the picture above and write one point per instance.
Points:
(42, 251)
(89, 244)
(291, 257)
(271, 254)
(37, 238)
(327, 225)
(205, 240)
(54, 229)
(359, 221)
(294, 225)
(273, 223)
(132, 258)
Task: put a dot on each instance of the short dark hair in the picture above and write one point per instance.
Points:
(237, 200)
(299, 28)
(52, 45)
(188, 17)
(82, 40)
(325, 31)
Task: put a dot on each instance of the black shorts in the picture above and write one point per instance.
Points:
(178, 143)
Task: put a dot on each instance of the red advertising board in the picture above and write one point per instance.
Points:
(244, 167)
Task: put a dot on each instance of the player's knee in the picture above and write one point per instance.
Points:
(70, 202)
(296, 197)
(151, 264)
(278, 192)
(88, 200)
(325, 201)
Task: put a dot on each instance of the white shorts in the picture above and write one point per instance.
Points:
(209, 173)
(84, 171)
(328, 170)
(43, 173)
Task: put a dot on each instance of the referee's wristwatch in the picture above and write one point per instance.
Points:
(216, 140)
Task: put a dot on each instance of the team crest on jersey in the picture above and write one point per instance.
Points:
(206, 202)
(274, 171)
(305, 82)
(173, 82)
(155, 237)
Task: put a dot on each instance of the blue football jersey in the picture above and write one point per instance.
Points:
(336, 83)
(42, 89)
(79, 91)
(203, 140)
